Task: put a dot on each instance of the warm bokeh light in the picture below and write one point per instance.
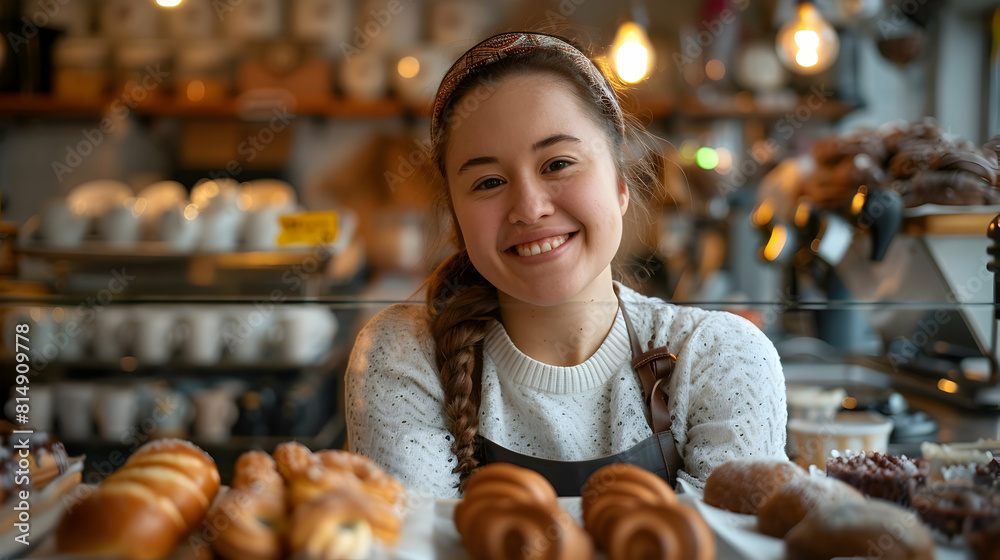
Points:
(849, 403)
(191, 211)
(715, 69)
(947, 385)
(802, 212)
(195, 90)
(779, 235)
(689, 148)
(408, 67)
(631, 52)
(725, 158)
(706, 158)
(807, 44)
(169, 3)
(858, 202)
(58, 314)
(764, 213)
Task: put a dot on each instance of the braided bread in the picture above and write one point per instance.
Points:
(145, 508)
(509, 512)
(632, 513)
(251, 517)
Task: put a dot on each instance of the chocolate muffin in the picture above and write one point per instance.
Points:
(956, 509)
(879, 475)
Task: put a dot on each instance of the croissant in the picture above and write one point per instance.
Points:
(146, 507)
(251, 517)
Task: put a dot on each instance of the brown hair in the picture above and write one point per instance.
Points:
(462, 303)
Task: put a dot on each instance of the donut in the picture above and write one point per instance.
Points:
(744, 485)
(504, 480)
(793, 501)
(866, 528)
(373, 479)
(333, 527)
(293, 459)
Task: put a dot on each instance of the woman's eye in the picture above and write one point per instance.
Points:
(557, 165)
(490, 183)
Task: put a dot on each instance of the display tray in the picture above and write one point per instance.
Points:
(429, 534)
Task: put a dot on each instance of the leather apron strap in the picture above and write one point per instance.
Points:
(657, 453)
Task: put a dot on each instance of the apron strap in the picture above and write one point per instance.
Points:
(654, 368)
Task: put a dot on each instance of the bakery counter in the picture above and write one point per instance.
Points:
(921, 412)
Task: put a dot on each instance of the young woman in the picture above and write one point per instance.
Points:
(528, 350)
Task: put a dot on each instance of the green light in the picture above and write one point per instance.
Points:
(706, 158)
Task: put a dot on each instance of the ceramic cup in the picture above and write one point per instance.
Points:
(116, 410)
(62, 226)
(262, 228)
(245, 332)
(303, 332)
(152, 334)
(221, 229)
(180, 228)
(109, 341)
(172, 413)
(74, 402)
(198, 333)
(215, 413)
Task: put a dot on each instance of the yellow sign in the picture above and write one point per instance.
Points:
(308, 228)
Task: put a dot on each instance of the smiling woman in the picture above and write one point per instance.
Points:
(529, 351)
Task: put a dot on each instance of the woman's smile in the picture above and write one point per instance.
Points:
(540, 246)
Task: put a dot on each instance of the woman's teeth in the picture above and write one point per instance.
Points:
(540, 246)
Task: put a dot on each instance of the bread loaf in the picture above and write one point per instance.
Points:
(146, 507)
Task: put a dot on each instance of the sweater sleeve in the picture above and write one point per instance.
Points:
(394, 403)
(735, 396)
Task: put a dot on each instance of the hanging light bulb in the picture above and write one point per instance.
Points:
(807, 44)
(631, 52)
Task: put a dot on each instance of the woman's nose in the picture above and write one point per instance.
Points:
(530, 200)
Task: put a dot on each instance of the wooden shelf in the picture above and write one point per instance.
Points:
(249, 107)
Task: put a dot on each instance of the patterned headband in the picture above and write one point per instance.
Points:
(501, 46)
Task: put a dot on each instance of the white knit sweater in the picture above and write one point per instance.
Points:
(727, 395)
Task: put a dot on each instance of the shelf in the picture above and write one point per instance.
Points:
(744, 106)
(247, 107)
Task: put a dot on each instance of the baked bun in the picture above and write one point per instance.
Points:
(251, 517)
(865, 528)
(332, 527)
(744, 485)
(145, 508)
(510, 512)
(793, 501)
(632, 513)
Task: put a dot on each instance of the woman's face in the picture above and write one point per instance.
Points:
(535, 190)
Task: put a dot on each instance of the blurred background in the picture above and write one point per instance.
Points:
(203, 200)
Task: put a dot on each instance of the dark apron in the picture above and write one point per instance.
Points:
(657, 453)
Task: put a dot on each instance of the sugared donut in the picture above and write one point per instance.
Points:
(866, 528)
(743, 485)
(793, 501)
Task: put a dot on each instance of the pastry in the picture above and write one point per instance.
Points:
(332, 527)
(509, 512)
(793, 501)
(744, 485)
(373, 479)
(251, 517)
(878, 475)
(146, 507)
(632, 513)
(956, 509)
(865, 528)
